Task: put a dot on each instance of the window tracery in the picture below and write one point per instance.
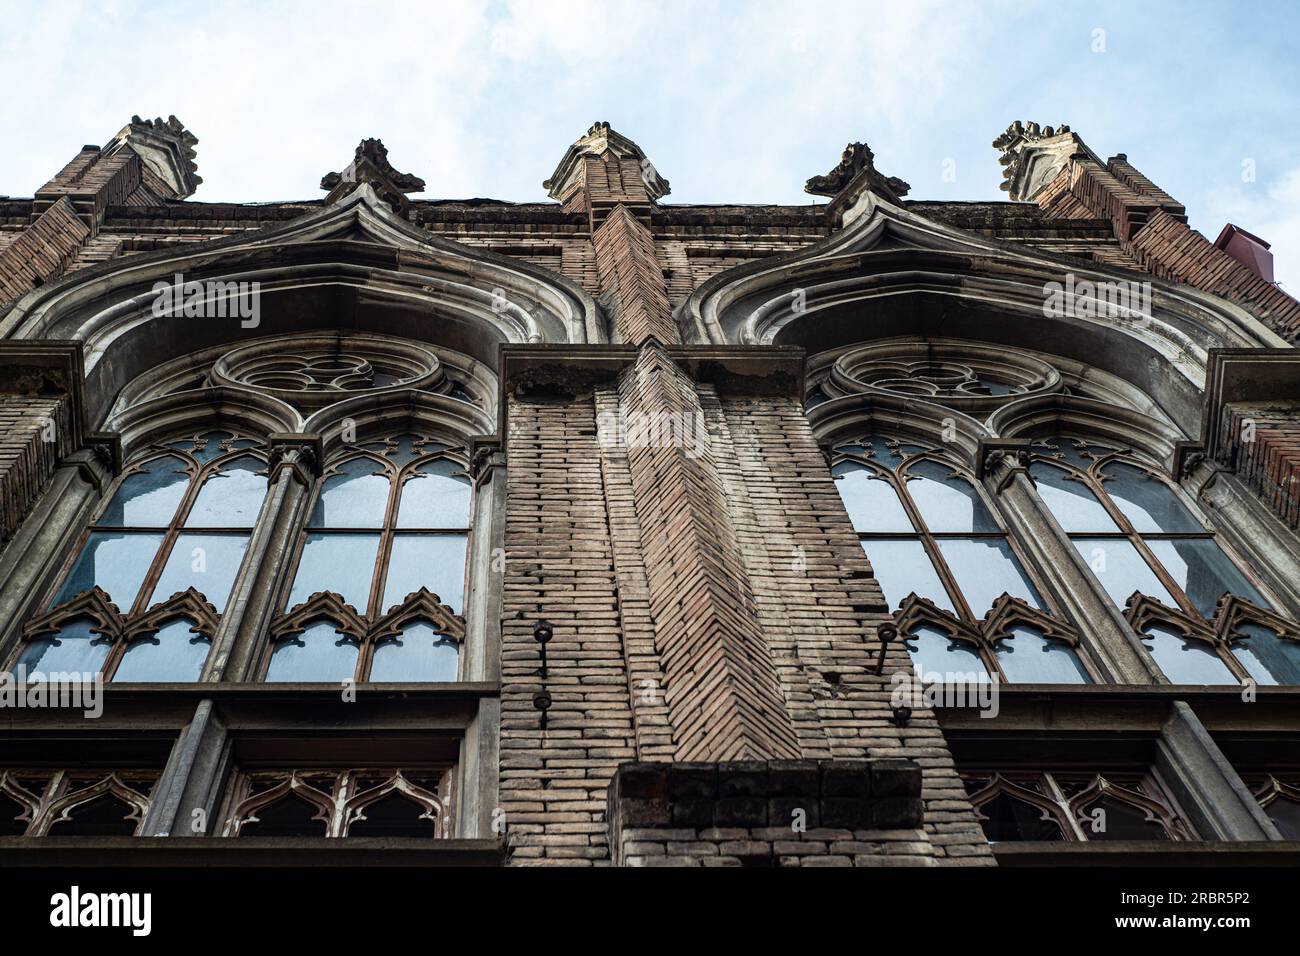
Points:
(964, 600)
(1071, 806)
(379, 584)
(1200, 616)
(74, 803)
(143, 596)
(409, 802)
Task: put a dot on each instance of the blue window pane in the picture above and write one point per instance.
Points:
(1202, 570)
(1184, 660)
(901, 567)
(356, 497)
(985, 568)
(939, 659)
(1148, 503)
(1121, 570)
(206, 562)
(74, 650)
(1030, 658)
(149, 497)
(232, 497)
(421, 653)
(1268, 658)
(1074, 506)
(318, 654)
(433, 561)
(436, 496)
(871, 502)
(117, 561)
(343, 563)
(174, 653)
(947, 503)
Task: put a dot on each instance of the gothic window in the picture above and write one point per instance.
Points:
(347, 803)
(1069, 806)
(1279, 796)
(143, 595)
(1203, 620)
(965, 601)
(378, 590)
(74, 803)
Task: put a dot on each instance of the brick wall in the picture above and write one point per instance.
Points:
(1263, 446)
(33, 436)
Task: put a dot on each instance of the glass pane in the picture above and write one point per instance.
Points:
(421, 653)
(149, 498)
(343, 563)
(1268, 658)
(232, 497)
(206, 562)
(901, 567)
(356, 497)
(947, 503)
(433, 561)
(1183, 660)
(939, 659)
(1148, 503)
(1073, 505)
(318, 654)
(288, 817)
(435, 498)
(174, 653)
(1030, 658)
(871, 503)
(1010, 819)
(393, 815)
(1119, 821)
(1121, 570)
(985, 568)
(74, 650)
(115, 560)
(1202, 570)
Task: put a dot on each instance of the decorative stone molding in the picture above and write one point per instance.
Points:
(1033, 156)
(370, 165)
(166, 147)
(857, 161)
(602, 140)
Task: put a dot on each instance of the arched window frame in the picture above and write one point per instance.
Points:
(1220, 630)
(984, 634)
(146, 615)
(369, 627)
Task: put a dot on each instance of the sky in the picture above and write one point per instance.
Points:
(733, 100)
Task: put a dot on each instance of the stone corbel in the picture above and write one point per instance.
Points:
(302, 454)
(1002, 459)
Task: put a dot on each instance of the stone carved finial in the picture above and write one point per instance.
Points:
(602, 138)
(1033, 156)
(370, 165)
(166, 147)
(856, 158)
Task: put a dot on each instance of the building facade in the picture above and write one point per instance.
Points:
(607, 531)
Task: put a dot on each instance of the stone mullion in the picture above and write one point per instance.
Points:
(188, 795)
(255, 598)
(1102, 628)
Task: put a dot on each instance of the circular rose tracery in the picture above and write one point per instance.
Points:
(314, 370)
